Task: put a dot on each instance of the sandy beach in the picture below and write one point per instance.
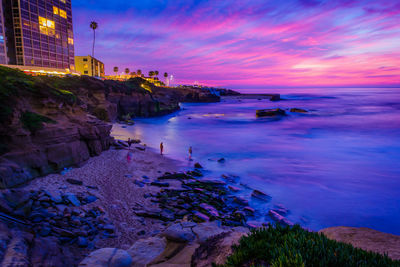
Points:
(117, 192)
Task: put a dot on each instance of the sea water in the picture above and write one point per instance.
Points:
(338, 164)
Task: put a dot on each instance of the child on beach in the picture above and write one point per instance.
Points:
(190, 153)
(129, 156)
(161, 148)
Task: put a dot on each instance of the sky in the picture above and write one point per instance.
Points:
(247, 43)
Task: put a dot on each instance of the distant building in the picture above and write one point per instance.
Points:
(38, 34)
(89, 66)
(3, 49)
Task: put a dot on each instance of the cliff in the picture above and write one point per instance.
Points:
(49, 123)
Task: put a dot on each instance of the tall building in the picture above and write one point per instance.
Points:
(39, 33)
(89, 66)
(3, 49)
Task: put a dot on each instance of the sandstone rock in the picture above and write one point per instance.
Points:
(12, 174)
(107, 257)
(177, 233)
(182, 259)
(47, 252)
(145, 251)
(216, 249)
(204, 231)
(17, 253)
(367, 239)
(5, 236)
(171, 249)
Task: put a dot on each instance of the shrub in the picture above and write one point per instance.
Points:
(33, 121)
(101, 114)
(280, 246)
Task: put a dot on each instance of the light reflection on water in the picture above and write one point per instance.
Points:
(337, 165)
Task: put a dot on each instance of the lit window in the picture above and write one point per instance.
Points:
(70, 41)
(63, 14)
(55, 10)
(46, 26)
(42, 21)
(62, 1)
(43, 30)
(50, 24)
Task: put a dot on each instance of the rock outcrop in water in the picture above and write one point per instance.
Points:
(270, 112)
(49, 123)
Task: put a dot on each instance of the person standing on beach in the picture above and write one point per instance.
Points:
(190, 153)
(129, 143)
(161, 148)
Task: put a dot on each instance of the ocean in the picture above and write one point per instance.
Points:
(337, 165)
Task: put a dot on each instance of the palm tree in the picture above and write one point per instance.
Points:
(116, 70)
(151, 74)
(166, 78)
(139, 72)
(156, 73)
(93, 26)
(127, 71)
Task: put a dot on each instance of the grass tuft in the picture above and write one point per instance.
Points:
(33, 121)
(279, 246)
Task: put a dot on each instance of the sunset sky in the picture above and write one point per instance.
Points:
(247, 43)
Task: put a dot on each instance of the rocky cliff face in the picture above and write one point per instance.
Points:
(49, 123)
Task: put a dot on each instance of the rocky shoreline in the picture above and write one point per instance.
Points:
(138, 212)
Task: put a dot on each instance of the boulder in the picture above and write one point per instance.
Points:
(177, 233)
(48, 252)
(216, 249)
(270, 112)
(206, 230)
(145, 251)
(198, 166)
(17, 253)
(107, 257)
